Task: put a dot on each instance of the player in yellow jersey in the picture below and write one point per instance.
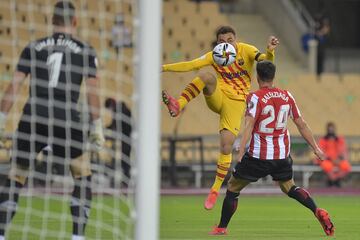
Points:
(225, 94)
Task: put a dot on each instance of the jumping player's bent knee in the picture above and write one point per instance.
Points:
(80, 166)
(207, 78)
(209, 81)
(226, 148)
(227, 139)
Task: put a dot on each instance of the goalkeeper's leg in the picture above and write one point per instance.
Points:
(81, 196)
(204, 82)
(9, 196)
(20, 163)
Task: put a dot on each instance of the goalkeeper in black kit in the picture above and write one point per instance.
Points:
(57, 65)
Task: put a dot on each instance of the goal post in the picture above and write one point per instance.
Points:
(148, 137)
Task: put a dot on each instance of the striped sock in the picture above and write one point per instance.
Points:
(223, 166)
(303, 197)
(191, 91)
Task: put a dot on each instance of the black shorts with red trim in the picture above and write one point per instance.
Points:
(252, 169)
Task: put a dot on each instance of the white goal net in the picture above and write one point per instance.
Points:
(43, 209)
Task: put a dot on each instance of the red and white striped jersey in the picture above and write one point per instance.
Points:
(271, 108)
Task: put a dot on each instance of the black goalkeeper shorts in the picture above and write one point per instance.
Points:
(30, 139)
(252, 169)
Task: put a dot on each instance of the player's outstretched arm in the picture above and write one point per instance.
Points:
(188, 66)
(249, 126)
(273, 42)
(307, 134)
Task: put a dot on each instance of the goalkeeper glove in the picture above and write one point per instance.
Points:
(96, 137)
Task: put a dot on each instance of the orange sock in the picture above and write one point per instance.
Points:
(191, 91)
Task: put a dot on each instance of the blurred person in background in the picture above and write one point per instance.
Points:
(121, 128)
(322, 31)
(336, 166)
(121, 34)
(320, 34)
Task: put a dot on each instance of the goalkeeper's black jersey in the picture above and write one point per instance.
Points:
(57, 66)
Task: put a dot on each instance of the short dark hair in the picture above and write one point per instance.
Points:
(64, 13)
(330, 124)
(266, 71)
(224, 30)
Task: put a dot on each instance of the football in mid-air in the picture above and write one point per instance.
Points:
(224, 54)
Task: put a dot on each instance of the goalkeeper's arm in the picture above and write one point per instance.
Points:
(188, 66)
(96, 129)
(9, 98)
(11, 92)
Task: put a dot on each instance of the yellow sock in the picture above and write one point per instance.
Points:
(191, 91)
(223, 166)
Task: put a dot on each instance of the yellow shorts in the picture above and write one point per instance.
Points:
(231, 111)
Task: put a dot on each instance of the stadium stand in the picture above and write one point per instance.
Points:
(331, 97)
(331, 92)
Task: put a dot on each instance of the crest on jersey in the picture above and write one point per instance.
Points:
(241, 61)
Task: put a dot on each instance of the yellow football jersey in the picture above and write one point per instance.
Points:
(234, 80)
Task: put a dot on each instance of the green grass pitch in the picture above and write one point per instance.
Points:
(183, 217)
(54, 215)
(259, 217)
